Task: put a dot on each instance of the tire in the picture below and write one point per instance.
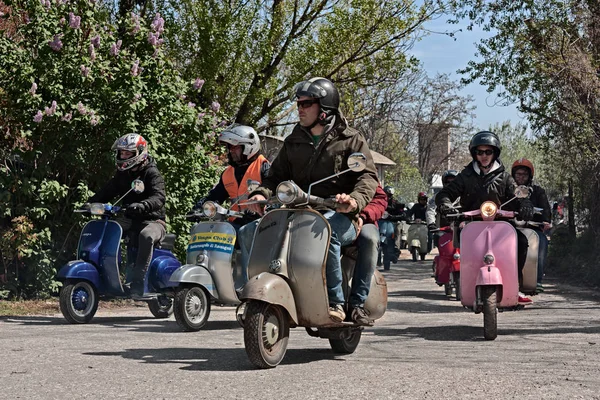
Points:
(162, 307)
(490, 312)
(192, 308)
(78, 301)
(415, 253)
(423, 256)
(348, 345)
(448, 289)
(456, 278)
(266, 333)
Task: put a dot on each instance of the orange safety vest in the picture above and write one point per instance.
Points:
(231, 185)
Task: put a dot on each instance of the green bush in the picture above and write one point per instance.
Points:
(70, 84)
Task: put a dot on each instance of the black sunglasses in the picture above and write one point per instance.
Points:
(306, 103)
(487, 152)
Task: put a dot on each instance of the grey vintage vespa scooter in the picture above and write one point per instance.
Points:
(287, 285)
(211, 273)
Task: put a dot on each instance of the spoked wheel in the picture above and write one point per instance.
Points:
(192, 308)
(456, 278)
(78, 302)
(162, 307)
(415, 253)
(266, 333)
(348, 344)
(490, 312)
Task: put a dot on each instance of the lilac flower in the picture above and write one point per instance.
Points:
(81, 108)
(201, 115)
(114, 49)
(215, 106)
(85, 71)
(198, 83)
(38, 117)
(33, 88)
(223, 123)
(158, 24)
(135, 19)
(51, 110)
(136, 97)
(74, 21)
(96, 41)
(152, 39)
(56, 44)
(94, 121)
(46, 3)
(92, 52)
(191, 105)
(135, 68)
(67, 117)
(62, 21)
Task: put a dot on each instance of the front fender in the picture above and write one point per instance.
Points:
(273, 289)
(81, 270)
(197, 275)
(488, 275)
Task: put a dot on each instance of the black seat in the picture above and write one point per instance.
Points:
(168, 243)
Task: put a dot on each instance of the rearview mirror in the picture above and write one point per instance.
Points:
(138, 186)
(521, 192)
(357, 162)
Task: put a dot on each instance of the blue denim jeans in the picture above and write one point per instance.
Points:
(542, 253)
(343, 233)
(368, 244)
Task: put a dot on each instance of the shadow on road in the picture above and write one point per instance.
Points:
(199, 359)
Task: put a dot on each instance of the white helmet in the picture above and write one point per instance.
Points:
(134, 143)
(242, 135)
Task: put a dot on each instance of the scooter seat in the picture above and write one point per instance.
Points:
(168, 243)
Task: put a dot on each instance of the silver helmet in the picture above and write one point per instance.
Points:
(134, 143)
(242, 135)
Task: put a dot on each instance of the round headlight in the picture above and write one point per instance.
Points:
(456, 256)
(209, 209)
(488, 259)
(488, 209)
(287, 192)
(97, 208)
(200, 258)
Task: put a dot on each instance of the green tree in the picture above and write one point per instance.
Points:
(69, 86)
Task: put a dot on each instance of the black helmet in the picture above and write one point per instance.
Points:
(319, 88)
(485, 138)
(451, 173)
(389, 190)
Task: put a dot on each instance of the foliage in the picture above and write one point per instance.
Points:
(68, 88)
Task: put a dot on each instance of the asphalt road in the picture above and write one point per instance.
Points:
(425, 347)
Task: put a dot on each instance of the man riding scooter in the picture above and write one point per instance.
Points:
(434, 219)
(318, 147)
(522, 172)
(485, 179)
(389, 230)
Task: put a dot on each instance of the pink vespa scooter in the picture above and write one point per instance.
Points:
(488, 272)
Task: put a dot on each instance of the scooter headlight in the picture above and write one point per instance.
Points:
(201, 258)
(488, 209)
(287, 192)
(209, 209)
(97, 209)
(456, 256)
(488, 259)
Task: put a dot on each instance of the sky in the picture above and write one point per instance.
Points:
(442, 54)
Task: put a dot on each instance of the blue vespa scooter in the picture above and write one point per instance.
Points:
(95, 273)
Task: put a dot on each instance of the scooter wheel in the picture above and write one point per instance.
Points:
(192, 308)
(162, 307)
(490, 312)
(266, 333)
(347, 345)
(415, 252)
(78, 301)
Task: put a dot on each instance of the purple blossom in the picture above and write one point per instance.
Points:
(38, 117)
(215, 106)
(201, 115)
(198, 83)
(223, 123)
(152, 39)
(135, 19)
(81, 108)
(85, 71)
(92, 52)
(137, 97)
(46, 3)
(56, 44)
(191, 105)
(114, 49)
(135, 68)
(67, 117)
(74, 21)
(33, 88)
(94, 121)
(96, 41)
(51, 110)
(62, 21)
(158, 24)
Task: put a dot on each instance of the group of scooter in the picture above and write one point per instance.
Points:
(286, 287)
(483, 272)
(413, 237)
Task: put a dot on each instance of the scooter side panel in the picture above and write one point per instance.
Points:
(218, 240)
(161, 268)
(443, 262)
(474, 246)
(195, 274)
(82, 270)
(417, 237)
(531, 262)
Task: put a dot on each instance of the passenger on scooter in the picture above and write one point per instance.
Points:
(367, 244)
(144, 218)
(485, 179)
(522, 172)
(318, 147)
(434, 219)
(395, 210)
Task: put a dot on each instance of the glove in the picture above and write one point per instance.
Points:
(135, 209)
(432, 227)
(526, 210)
(86, 206)
(446, 209)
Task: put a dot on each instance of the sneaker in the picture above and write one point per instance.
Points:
(336, 313)
(524, 300)
(361, 316)
(539, 288)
